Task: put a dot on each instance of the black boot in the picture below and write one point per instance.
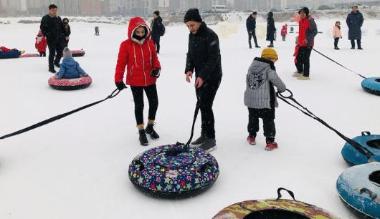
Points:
(200, 140)
(208, 145)
(142, 137)
(150, 131)
(52, 70)
(57, 65)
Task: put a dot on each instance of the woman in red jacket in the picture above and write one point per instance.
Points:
(138, 54)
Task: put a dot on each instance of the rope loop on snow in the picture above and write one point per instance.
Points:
(290, 100)
(55, 118)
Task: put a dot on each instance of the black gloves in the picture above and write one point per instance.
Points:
(120, 85)
(155, 73)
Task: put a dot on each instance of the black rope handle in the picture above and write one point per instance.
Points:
(289, 99)
(55, 118)
(371, 194)
(320, 53)
(193, 125)
(279, 196)
(366, 133)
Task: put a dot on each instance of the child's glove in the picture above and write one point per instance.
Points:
(120, 85)
(155, 73)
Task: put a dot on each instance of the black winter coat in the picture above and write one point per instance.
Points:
(157, 27)
(354, 23)
(66, 30)
(271, 29)
(52, 28)
(251, 24)
(203, 55)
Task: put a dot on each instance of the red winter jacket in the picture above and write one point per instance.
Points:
(303, 27)
(4, 49)
(140, 58)
(41, 43)
(284, 30)
(307, 31)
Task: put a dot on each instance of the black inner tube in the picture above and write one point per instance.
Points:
(377, 80)
(375, 178)
(374, 144)
(275, 214)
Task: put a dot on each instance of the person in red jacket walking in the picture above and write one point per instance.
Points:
(138, 54)
(41, 44)
(284, 32)
(305, 43)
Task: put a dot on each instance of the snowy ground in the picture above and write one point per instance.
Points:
(77, 167)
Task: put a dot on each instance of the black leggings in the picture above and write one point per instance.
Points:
(138, 97)
(336, 41)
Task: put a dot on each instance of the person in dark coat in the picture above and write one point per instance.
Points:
(204, 58)
(251, 29)
(52, 27)
(271, 29)
(97, 31)
(157, 29)
(354, 22)
(67, 31)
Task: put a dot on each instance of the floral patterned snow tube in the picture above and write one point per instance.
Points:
(174, 171)
(70, 84)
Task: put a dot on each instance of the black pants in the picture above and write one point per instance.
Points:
(250, 36)
(303, 61)
(359, 42)
(156, 40)
(267, 115)
(336, 41)
(206, 95)
(55, 53)
(42, 54)
(138, 97)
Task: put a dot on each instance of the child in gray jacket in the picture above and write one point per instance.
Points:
(260, 97)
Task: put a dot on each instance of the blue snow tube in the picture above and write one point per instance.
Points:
(174, 171)
(359, 188)
(368, 142)
(371, 85)
(14, 53)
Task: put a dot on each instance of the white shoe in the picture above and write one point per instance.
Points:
(303, 78)
(296, 74)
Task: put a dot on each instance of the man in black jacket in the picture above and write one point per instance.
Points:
(204, 57)
(158, 29)
(52, 28)
(251, 29)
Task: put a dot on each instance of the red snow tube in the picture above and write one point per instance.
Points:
(70, 84)
(78, 53)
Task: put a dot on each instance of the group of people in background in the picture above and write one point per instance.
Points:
(306, 34)
(57, 33)
(354, 22)
(138, 59)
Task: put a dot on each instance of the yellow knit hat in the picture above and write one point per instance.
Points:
(269, 53)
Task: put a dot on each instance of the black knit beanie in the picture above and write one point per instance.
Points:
(192, 15)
